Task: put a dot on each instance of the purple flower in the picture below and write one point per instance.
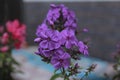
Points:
(54, 44)
(50, 39)
(41, 28)
(70, 24)
(61, 15)
(64, 11)
(37, 40)
(48, 53)
(71, 15)
(52, 53)
(71, 21)
(68, 38)
(45, 53)
(61, 61)
(53, 14)
(83, 48)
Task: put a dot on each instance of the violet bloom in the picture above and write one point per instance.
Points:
(51, 53)
(61, 61)
(68, 38)
(83, 48)
(70, 24)
(37, 40)
(71, 15)
(45, 53)
(41, 28)
(50, 39)
(71, 21)
(59, 13)
(64, 11)
(53, 14)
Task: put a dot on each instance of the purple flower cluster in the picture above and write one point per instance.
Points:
(56, 37)
(62, 16)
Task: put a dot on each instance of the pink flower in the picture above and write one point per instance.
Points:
(5, 38)
(17, 31)
(4, 49)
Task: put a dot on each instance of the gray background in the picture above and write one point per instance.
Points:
(101, 18)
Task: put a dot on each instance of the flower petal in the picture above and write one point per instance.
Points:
(68, 44)
(44, 44)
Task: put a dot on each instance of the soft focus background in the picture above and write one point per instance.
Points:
(101, 18)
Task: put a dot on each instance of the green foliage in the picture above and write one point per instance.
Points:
(67, 74)
(6, 66)
(117, 65)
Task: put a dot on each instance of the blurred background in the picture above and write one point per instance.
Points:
(101, 18)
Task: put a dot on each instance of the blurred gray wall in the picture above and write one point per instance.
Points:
(101, 18)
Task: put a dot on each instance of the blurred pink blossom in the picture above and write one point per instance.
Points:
(4, 49)
(5, 38)
(17, 31)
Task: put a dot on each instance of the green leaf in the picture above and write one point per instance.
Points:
(55, 76)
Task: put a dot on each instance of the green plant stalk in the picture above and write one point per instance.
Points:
(7, 68)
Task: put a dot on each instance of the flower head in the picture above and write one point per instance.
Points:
(61, 61)
(61, 16)
(49, 39)
(56, 37)
(68, 38)
(17, 31)
(83, 48)
(70, 24)
(41, 29)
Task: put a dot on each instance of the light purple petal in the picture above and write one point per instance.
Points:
(38, 53)
(68, 45)
(57, 65)
(56, 36)
(57, 45)
(44, 44)
(37, 39)
(66, 63)
(51, 45)
(64, 34)
(46, 53)
(83, 48)
(85, 52)
(65, 56)
(44, 27)
(43, 35)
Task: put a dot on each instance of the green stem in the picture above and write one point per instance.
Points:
(6, 67)
(65, 76)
